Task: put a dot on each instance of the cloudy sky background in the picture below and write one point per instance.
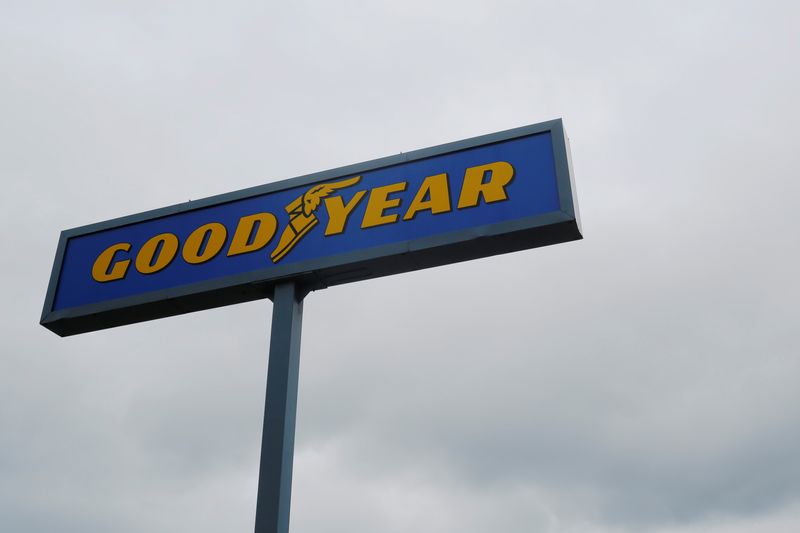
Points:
(643, 379)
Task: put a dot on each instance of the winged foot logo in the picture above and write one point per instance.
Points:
(302, 217)
(481, 185)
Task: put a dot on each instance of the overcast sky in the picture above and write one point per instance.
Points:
(643, 379)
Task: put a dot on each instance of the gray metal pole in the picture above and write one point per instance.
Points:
(277, 440)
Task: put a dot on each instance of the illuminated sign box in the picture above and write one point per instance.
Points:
(484, 196)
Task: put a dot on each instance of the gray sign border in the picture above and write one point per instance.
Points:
(314, 274)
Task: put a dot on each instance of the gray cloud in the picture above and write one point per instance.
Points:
(641, 379)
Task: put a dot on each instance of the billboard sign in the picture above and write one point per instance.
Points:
(488, 195)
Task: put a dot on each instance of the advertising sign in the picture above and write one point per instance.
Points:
(493, 194)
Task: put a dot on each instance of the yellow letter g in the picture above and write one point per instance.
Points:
(103, 270)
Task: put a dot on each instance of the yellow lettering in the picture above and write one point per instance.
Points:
(379, 202)
(493, 189)
(435, 188)
(339, 212)
(157, 253)
(212, 234)
(100, 269)
(243, 239)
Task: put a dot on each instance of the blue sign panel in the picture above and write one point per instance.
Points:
(474, 198)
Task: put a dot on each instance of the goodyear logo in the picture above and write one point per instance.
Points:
(483, 184)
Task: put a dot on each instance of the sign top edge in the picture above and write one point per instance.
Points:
(402, 157)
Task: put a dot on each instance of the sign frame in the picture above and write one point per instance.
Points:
(318, 273)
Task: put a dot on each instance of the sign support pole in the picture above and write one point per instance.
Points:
(277, 440)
